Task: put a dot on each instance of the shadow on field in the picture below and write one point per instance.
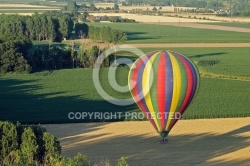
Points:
(207, 55)
(138, 36)
(25, 102)
(141, 149)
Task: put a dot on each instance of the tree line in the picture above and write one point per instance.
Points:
(53, 26)
(179, 3)
(72, 6)
(18, 54)
(33, 145)
(107, 34)
(27, 145)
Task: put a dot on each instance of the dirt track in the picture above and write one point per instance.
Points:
(191, 142)
(176, 45)
(204, 26)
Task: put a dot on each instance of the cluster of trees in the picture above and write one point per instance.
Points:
(88, 58)
(13, 51)
(222, 7)
(72, 6)
(154, 11)
(81, 30)
(18, 54)
(115, 19)
(187, 3)
(107, 34)
(27, 145)
(53, 26)
(33, 145)
(46, 57)
(239, 8)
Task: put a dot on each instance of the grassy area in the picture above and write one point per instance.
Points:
(48, 97)
(224, 61)
(220, 98)
(147, 33)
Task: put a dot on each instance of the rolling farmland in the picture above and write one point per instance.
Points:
(213, 131)
(59, 92)
(149, 33)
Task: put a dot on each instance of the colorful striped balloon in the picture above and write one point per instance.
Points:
(163, 84)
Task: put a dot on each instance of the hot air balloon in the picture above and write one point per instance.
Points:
(163, 84)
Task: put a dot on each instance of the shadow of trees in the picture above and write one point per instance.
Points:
(20, 102)
(133, 36)
(188, 149)
(208, 55)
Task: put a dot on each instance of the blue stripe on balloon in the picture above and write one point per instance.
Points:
(169, 85)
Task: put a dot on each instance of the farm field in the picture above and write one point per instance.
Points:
(59, 92)
(176, 17)
(223, 61)
(191, 142)
(231, 24)
(141, 33)
(213, 131)
(24, 8)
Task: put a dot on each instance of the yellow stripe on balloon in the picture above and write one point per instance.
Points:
(176, 88)
(146, 88)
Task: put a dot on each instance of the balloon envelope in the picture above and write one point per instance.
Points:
(163, 84)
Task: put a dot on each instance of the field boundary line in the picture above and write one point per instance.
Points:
(191, 45)
(203, 26)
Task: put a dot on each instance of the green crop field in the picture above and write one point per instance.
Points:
(49, 96)
(224, 61)
(148, 33)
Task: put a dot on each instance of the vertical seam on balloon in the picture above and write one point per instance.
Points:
(161, 88)
(147, 97)
(169, 88)
(176, 82)
(138, 102)
(189, 88)
(195, 75)
(195, 80)
(183, 87)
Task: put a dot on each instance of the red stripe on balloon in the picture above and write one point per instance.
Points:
(134, 79)
(189, 88)
(161, 88)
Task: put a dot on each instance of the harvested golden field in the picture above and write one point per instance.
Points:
(148, 18)
(143, 7)
(24, 6)
(191, 142)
